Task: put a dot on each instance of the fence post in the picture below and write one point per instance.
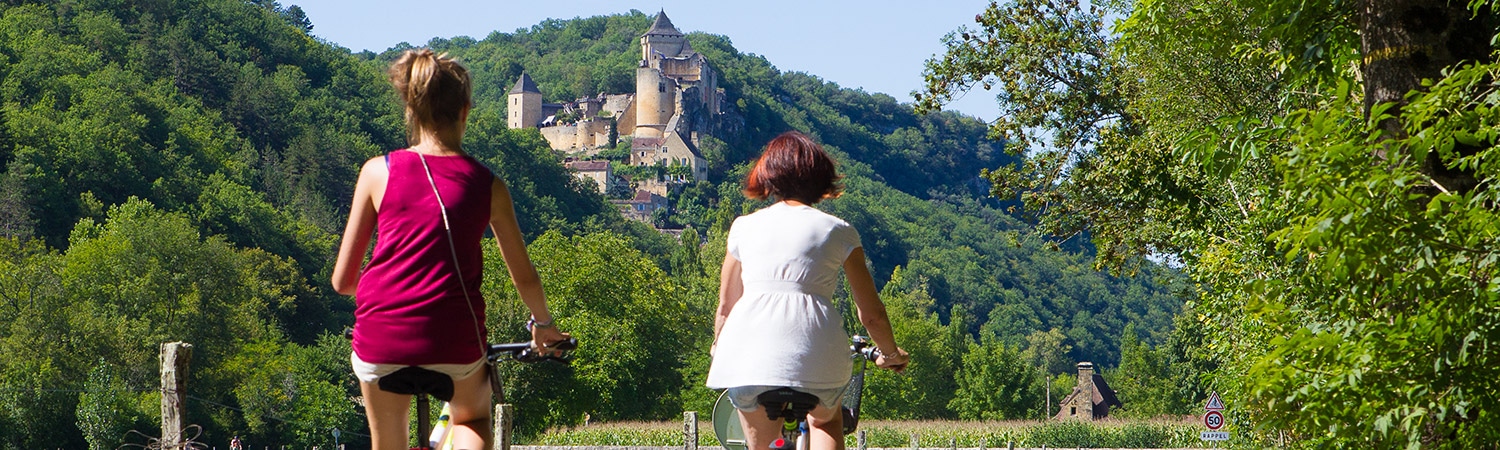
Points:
(861, 442)
(174, 367)
(690, 430)
(503, 432)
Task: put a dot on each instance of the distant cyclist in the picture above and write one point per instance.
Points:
(776, 326)
(418, 301)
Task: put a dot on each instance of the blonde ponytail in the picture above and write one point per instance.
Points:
(434, 88)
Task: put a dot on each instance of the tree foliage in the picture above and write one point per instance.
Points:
(1327, 188)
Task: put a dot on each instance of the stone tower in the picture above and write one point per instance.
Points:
(655, 93)
(525, 107)
(661, 39)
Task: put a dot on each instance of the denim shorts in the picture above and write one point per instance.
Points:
(370, 372)
(743, 397)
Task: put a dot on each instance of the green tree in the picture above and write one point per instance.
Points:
(995, 383)
(1144, 381)
(629, 318)
(108, 410)
(928, 386)
(1319, 180)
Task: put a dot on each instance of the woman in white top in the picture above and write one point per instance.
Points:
(776, 326)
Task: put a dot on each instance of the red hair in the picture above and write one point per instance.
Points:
(793, 168)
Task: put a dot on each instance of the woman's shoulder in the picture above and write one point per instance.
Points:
(825, 217)
(782, 214)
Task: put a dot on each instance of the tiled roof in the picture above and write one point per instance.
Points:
(663, 26)
(525, 85)
(589, 166)
(1103, 394)
(646, 142)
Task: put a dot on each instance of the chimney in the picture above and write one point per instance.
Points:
(1086, 394)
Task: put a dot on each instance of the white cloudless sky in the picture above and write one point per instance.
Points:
(875, 45)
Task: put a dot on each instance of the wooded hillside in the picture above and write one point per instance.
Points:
(180, 170)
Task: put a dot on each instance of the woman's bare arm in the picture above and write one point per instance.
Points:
(872, 312)
(368, 192)
(513, 250)
(731, 287)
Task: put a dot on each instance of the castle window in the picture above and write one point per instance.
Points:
(661, 87)
(514, 100)
(1073, 411)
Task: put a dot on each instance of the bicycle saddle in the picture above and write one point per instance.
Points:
(787, 403)
(413, 380)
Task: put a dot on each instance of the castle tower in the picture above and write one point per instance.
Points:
(661, 40)
(655, 93)
(525, 107)
(655, 102)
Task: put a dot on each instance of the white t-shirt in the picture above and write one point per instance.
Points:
(784, 330)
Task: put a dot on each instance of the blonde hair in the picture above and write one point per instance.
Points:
(434, 88)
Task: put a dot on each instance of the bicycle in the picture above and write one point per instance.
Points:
(792, 407)
(422, 383)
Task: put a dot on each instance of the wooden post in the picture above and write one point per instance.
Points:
(690, 430)
(174, 369)
(503, 433)
(861, 442)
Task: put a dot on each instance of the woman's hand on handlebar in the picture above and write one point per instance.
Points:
(544, 338)
(896, 362)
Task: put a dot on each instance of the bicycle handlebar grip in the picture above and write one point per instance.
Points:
(513, 347)
(565, 344)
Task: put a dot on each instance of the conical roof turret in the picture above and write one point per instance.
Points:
(662, 26)
(525, 85)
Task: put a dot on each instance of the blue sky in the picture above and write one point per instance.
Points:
(877, 45)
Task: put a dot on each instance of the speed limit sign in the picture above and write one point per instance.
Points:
(1214, 420)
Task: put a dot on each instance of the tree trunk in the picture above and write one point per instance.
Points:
(1406, 41)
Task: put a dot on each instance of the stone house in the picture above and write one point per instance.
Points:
(1091, 399)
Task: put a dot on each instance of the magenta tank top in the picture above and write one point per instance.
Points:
(409, 307)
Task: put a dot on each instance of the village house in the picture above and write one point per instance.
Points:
(641, 206)
(1091, 399)
(597, 171)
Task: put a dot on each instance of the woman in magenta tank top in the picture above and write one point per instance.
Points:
(417, 302)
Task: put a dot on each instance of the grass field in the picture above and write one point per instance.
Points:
(1159, 433)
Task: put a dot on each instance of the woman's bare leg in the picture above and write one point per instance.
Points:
(760, 430)
(825, 428)
(387, 413)
(470, 411)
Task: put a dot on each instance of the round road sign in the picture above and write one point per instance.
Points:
(1214, 420)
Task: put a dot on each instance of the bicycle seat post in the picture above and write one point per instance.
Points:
(424, 423)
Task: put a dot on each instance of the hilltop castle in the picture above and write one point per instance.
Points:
(676, 96)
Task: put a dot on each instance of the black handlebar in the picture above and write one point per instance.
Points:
(862, 346)
(519, 351)
(523, 352)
